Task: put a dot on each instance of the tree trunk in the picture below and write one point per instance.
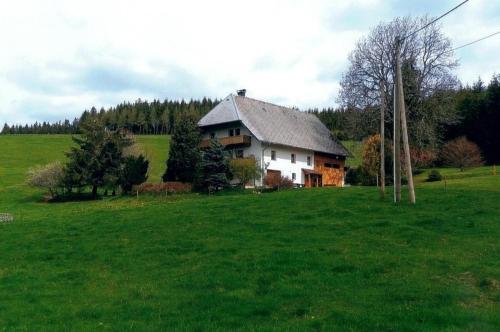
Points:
(94, 191)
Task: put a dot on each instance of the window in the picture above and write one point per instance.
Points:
(231, 132)
(273, 155)
(212, 135)
(239, 153)
(293, 158)
(237, 131)
(331, 165)
(308, 160)
(294, 176)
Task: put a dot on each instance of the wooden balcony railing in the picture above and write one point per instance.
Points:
(229, 141)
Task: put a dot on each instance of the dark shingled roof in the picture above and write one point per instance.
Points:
(275, 124)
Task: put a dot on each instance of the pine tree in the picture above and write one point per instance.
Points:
(184, 153)
(214, 167)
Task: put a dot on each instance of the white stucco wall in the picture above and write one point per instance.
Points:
(283, 161)
(284, 164)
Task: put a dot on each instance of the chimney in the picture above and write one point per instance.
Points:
(241, 92)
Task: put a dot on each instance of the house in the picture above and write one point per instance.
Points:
(284, 141)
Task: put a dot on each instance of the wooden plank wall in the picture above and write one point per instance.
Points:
(331, 176)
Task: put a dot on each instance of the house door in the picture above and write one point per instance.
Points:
(272, 177)
(273, 173)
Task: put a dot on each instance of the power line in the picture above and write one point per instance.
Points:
(436, 19)
(476, 41)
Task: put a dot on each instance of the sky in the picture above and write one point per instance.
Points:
(59, 58)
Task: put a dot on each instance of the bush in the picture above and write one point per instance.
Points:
(434, 175)
(49, 177)
(421, 158)
(171, 187)
(359, 176)
(278, 182)
(245, 170)
(461, 153)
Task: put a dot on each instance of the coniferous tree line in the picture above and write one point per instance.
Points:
(140, 117)
(60, 127)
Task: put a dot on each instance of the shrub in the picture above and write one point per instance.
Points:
(359, 176)
(461, 153)
(171, 187)
(278, 182)
(422, 158)
(434, 175)
(245, 170)
(49, 177)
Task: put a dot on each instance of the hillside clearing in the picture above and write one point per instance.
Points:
(296, 260)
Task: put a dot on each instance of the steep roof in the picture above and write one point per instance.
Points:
(275, 124)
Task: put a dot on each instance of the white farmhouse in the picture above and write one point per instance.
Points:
(284, 141)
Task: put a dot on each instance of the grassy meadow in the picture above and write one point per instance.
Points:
(319, 259)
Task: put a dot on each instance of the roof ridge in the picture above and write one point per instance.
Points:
(281, 106)
(235, 107)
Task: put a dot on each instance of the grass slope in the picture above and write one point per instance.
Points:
(22, 152)
(356, 149)
(298, 260)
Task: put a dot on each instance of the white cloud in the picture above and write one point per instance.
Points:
(60, 57)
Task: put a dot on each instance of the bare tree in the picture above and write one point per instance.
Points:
(372, 72)
(372, 62)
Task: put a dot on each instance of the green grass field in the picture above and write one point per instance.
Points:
(356, 149)
(325, 259)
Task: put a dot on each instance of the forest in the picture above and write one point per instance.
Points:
(472, 111)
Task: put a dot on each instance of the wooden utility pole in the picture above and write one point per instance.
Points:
(397, 130)
(400, 100)
(382, 139)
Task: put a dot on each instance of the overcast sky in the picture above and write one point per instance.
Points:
(61, 57)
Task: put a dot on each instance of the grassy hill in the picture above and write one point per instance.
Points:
(356, 149)
(19, 153)
(297, 260)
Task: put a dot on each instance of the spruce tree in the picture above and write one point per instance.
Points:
(96, 160)
(6, 129)
(134, 171)
(184, 153)
(215, 170)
